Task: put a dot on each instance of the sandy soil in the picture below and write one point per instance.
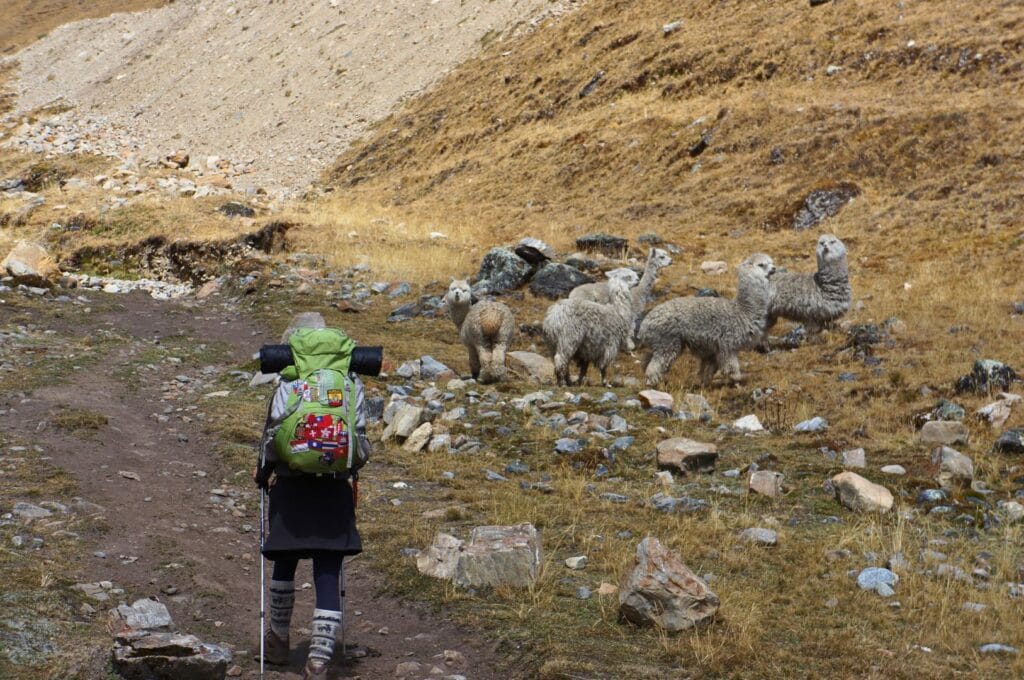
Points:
(284, 85)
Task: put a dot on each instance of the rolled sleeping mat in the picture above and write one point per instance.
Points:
(365, 360)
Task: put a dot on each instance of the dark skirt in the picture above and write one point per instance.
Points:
(311, 514)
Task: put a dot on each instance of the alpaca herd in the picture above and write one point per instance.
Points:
(598, 320)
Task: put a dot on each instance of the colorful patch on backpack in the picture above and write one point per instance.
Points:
(321, 433)
(335, 398)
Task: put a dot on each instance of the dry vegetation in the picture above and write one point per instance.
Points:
(924, 117)
(25, 21)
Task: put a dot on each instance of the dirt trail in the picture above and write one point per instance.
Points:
(186, 530)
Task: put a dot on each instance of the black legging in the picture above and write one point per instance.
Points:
(326, 570)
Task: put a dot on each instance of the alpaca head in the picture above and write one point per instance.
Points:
(459, 293)
(659, 258)
(625, 274)
(830, 251)
(758, 265)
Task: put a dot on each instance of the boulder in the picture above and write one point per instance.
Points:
(766, 483)
(656, 399)
(404, 422)
(986, 376)
(439, 559)
(419, 438)
(714, 267)
(860, 495)
(143, 616)
(662, 591)
(998, 412)
(501, 271)
(169, 656)
(760, 536)
(499, 556)
(820, 204)
(531, 366)
(686, 455)
(612, 246)
(748, 424)
(953, 469)
(432, 369)
(854, 458)
(1011, 441)
(30, 264)
(878, 579)
(555, 280)
(945, 432)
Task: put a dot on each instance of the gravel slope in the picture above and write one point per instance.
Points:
(277, 87)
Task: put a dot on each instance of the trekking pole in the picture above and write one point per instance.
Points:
(344, 649)
(263, 596)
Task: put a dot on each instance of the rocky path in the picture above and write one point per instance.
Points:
(182, 524)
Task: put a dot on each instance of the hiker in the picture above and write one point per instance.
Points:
(310, 472)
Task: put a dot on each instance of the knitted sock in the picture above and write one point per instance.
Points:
(325, 629)
(282, 600)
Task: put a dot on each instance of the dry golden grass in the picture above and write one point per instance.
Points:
(25, 21)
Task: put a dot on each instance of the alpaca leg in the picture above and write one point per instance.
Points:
(706, 372)
(474, 361)
(730, 365)
(658, 365)
(583, 365)
(813, 329)
(498, 359)
(486, 361)
(561, 369)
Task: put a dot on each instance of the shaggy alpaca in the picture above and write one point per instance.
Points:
(485, 329)
(714, 329)
(818, 299)
(587, 332)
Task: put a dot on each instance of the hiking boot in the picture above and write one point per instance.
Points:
(315, 669)
(276, 649)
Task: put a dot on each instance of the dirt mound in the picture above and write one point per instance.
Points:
(716, 118)
(277, 89)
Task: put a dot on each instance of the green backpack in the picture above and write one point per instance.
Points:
(318, 433)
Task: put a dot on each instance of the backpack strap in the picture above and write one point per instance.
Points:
(353, 436)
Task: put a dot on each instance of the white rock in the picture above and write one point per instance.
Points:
(861, 495)
(766, 483)
(748, 424)
(578, 562)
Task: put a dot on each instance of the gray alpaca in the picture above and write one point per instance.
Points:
(588, 332)
(818, 299)
(485, 329)
(714, 329)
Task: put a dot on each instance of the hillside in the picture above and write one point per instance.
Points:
(709, 119)
(274, 90)
(720, 128)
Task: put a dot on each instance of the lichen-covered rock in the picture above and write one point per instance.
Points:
(661, 591)
(499, 556)
(501, 271)
(986, 376)
(555, 280)
(612, 246)
(169, 656)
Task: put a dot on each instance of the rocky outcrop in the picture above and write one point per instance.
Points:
(661, 591)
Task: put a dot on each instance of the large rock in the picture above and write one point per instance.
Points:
(686, 455)
(953, 469)
(501, 271)
(169, 656)
(987, 376)
(143, 616)
(30, 264)
(499, 556)
(820, 204)
(860, 495)
(765, 483)
(432, 369)
(612, 246)
(531, 366)
(419, 438)
(1011, 441)
(998, 412)
(662, 591)
(555, 280)
(404, 422)
(944, 432)
(439, 559)
(656, 399)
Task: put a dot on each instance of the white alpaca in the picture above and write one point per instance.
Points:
(588, 332)
(485, 329)
(714, 329)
